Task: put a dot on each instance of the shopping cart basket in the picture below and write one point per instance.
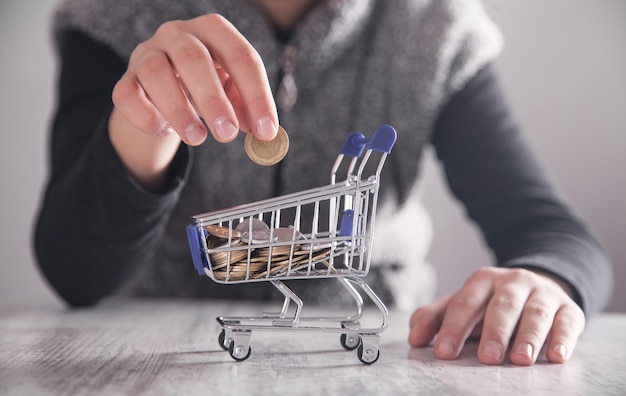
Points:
(324, 232)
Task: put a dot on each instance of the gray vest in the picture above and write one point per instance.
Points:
(358, 64)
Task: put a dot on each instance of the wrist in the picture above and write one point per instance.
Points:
(146, 158)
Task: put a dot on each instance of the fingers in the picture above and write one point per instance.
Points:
(131, 101)
(503, 312)
(151, 68)
(528, 308)
(464, 312)
(569, 323)
(516, 310)
(192, 69)
(196, 73)
(425, 322)
(509, 302)
(244, 65)
(534, 327)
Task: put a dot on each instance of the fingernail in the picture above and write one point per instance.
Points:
(225, 129)
(493, 350)
(560, 350)
(266, 129)
(525, 349)
(195, 134)
(447, 347)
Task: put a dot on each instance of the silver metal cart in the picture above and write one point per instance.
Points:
(270, 241)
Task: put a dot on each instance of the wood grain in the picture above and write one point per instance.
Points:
(168, 347)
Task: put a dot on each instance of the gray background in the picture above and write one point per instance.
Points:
(563, 70)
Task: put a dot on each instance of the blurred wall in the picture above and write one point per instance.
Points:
(563, 70)
(27, 70)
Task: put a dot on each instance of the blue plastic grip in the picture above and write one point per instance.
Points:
(354, 144)
(345, 228)
(383, 139)
(193, 236)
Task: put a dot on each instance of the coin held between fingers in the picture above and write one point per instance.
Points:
(267, 153)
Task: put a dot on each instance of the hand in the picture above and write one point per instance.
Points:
(502, 305)
(202, 67)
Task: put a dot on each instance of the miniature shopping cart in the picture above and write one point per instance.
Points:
(323, 232)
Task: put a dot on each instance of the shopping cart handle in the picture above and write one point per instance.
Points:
(383, 139)
(354, 144)
(194, 244)
(345, 228)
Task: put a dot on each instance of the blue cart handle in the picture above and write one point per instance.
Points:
(382, 141)
(354, 144)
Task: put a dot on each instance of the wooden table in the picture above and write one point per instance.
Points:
(170, 347)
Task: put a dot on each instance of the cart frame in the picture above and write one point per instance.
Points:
(232, 246)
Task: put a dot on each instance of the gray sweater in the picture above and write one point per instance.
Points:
(358, 64)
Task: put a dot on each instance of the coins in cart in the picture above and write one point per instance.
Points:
(281, 235)
(267, 153)
(223, 258)
(254, 251)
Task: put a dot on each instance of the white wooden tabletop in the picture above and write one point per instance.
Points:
(171, 347)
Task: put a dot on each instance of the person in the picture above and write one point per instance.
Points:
(132, 160)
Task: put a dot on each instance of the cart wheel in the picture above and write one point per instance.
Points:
(368, 356)
(222, 340)
(350, 342)
(240, 353)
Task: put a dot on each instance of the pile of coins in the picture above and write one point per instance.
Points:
(256, 252)
(267, 153)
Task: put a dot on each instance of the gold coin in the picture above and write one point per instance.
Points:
(222, 232)
(251, 224)
(267, 153)
(223, 258)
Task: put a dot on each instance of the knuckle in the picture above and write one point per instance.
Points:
(213, 19)
(451, 330)
(518, 274)
(178, 113)
(572, 320)
(482, 273)
(504, 302)
(498, 332)
(122, 93)
(211, 100)
(168, 27)
(464, 302)
(534, 337)
(151, 65)
(538, 310)
(246, 56)
(257, 99)
(189, 54)
(148, 124)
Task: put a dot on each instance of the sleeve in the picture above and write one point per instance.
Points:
(96, 225)
(492, 171)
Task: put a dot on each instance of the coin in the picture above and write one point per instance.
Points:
(251, 224)
(259, 237)
(287, 234)
(267, 153)
(222, 232)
